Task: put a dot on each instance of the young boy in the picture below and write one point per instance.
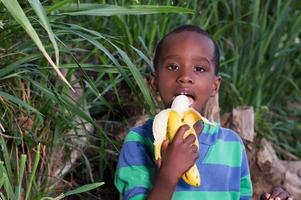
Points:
(186, 62)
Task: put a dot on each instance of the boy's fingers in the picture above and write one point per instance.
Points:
(194, 148)
(282, 195)
(279, 192)
(265, 196)
(189, 139)
(180, 133)
(164, 147)
(158, 162)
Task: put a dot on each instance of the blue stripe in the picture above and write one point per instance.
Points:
(229, 135)
(135, 191)
(244, 165)
(145, 130)
(220, 134)
(129, 155)
(245, 197)
(217, 178)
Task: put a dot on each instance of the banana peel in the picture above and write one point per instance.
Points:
(167, 122)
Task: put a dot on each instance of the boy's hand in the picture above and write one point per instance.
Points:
(277, 193)
(179, 155)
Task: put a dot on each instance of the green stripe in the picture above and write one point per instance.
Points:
(210, 129)
(216, 154)
(205, 195)
(134, 176)
(206, 128)
(246, 186)
(213, 129)
(134, 137)
(139, 197)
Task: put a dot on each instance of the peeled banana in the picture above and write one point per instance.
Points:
(166, 124)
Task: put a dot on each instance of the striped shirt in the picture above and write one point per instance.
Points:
(222, 163)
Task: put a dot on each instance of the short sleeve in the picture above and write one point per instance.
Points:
(245, 178)
(135, 168)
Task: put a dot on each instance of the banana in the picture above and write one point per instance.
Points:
(166, 124)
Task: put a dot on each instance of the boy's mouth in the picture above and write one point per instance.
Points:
(190, 97)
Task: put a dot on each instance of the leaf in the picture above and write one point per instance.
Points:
(7, 161)
(84, 188)
(20, 175)
(33, 172)
(16, 11)
(18, 101)
(138, 78)
(110, 10)
(13, 66)
(39, 10)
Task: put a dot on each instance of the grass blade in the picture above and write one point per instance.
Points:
(84, 188)
(16, 11)
(13, 66)
(138, 78)
(18, 101)
(39, 10)
(5, 182)
(33, 172)
(110, 10)
(5, 155)
(20, 176)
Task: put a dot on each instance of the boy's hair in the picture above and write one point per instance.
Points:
(189, 28)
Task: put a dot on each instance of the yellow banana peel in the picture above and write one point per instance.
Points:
(167, 122)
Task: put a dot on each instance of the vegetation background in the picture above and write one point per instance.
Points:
(73, 79)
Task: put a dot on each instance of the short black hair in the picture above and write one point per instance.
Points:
(189, 28)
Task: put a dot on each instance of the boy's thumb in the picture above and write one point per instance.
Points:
(164, 146)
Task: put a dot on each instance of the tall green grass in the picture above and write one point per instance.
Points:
(38, 108)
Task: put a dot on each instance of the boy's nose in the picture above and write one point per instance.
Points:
(184, 78)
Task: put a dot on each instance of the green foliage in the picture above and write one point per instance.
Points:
(104, 51)
(38, 108)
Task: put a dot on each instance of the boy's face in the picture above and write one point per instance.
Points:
(186, 67)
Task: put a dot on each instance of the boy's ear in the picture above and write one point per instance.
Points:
(216, 85)
(154, 82)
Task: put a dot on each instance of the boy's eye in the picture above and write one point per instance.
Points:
(199, 68)
(172, 67)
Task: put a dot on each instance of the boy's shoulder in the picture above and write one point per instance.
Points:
(144, 130)
(214, 133)
(146, 126)
(229, 134)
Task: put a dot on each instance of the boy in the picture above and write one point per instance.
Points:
(186, 62)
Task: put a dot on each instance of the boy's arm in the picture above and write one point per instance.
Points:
(246, 189)
(135, 169)
(177, 158)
